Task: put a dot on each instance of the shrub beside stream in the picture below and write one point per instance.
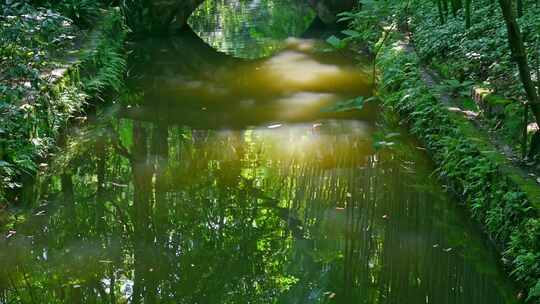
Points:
(491, 195)
(50, 69)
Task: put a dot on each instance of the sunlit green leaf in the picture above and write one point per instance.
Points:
(351, 33)
(336, 42)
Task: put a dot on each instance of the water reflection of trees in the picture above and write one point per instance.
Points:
(167, 214)
(251, 29)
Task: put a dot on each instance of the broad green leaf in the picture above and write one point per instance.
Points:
(351, 33)
(534, 292)
(336, 42)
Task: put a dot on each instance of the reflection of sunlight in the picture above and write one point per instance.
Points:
(300, 104)
(300, 44)
(298, 69)
(306, 99)
(326, 144)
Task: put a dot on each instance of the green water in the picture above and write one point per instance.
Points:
(217, 177)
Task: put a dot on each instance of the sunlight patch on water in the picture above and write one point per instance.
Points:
(324, 143)
(300, 67)
(303, 103)
(296, 69)
(301, 44)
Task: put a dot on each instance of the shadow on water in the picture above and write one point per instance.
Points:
(219, 180)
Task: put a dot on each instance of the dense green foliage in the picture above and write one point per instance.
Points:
(469, 55)
(507, 215)
(84, 13)
(41, 87)
(28, 39)
(465, 52)
(482, 55)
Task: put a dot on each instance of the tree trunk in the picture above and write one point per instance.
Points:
(142, 188)
(101, 171)
(441, 11)
(520, 56)
(445, 7)
(160, 147)
(519, 8)
(468, 4)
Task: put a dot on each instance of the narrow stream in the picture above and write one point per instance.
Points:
(219, 177)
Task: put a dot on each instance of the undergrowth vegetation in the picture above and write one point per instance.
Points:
(502, 208)
(467, 51)
(83, 13)
(480, 55)
(41, 88)
(468, 55)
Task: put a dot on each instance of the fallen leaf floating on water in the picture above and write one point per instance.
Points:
(393, 135)
(119, 185)
(105, 261)
(330, 295)
(11, 233)
(81, 119)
